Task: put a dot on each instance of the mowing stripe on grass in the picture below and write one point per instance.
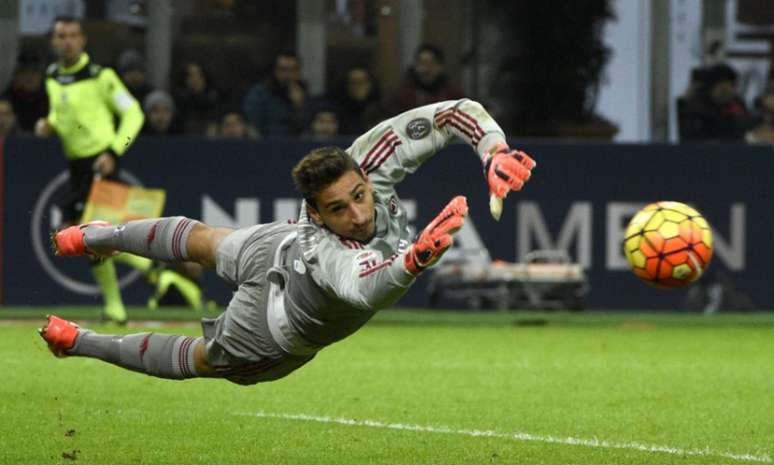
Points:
(706, 452)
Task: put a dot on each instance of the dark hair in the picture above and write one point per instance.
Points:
(183, 74)
(344, 81)
(434, 50)
(719, 72)
(66, 19)
(230, 108)
(286, 52)
(360, 66)
(319, 169)
(322, 105)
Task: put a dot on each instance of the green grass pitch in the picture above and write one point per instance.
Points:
(416, 388)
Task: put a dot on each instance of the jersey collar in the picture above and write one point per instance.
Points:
(83, 60)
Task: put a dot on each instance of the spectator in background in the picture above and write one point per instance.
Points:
(196, 98)
(359, 102)
(426, 81)
(712, 109)
(277, 107)
(26, 91)
(763, 132)
(131, 68)
(233, 125)
(323, 121)
(7, 119)
(160, 118)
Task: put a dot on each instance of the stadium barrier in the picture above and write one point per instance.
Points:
(580, 199)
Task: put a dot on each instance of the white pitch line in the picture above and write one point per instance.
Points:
(527, 437)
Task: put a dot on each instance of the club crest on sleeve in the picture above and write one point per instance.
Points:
(418, 128)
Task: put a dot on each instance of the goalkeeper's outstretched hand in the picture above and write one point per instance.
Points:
(436, 238)
(505, 170)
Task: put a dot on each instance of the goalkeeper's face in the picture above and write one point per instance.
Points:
(346, 207)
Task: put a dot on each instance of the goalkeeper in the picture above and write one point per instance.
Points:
(84, 99)
(305, 285)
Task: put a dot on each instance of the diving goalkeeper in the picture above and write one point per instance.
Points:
(300, 287)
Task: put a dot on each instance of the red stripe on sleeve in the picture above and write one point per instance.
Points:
(464, 123)
(473, 121)
(387, 145)
(387, 155)
(376, 147)
(460, 127)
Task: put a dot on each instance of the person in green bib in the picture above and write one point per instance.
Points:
(85, 99)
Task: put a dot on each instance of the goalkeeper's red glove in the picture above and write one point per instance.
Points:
(506, 170)
(436, 238)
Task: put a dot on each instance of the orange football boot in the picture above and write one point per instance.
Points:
(68, 242)
(59, 334)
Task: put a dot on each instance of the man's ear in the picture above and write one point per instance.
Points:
(314, 215)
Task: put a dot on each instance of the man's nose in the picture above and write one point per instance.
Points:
(358, 217)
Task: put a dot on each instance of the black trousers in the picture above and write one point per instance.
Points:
(81, 177)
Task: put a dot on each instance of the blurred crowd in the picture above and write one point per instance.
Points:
(713, 108)
(280, 105)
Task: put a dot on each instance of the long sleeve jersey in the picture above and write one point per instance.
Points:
(83, 100)
(334, 285)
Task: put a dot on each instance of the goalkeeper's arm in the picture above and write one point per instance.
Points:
(401, 144)
(360, 279)
(436, 238)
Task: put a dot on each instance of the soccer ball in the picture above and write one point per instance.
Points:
(668, 244)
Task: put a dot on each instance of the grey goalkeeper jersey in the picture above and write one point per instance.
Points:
(324, 287)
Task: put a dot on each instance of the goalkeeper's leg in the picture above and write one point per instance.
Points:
(161, 355)
(171, 239)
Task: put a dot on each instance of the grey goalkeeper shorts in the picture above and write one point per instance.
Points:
(239, 344)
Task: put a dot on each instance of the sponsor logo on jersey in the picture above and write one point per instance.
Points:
(367, 255)
(418, 128)
(367, 260)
